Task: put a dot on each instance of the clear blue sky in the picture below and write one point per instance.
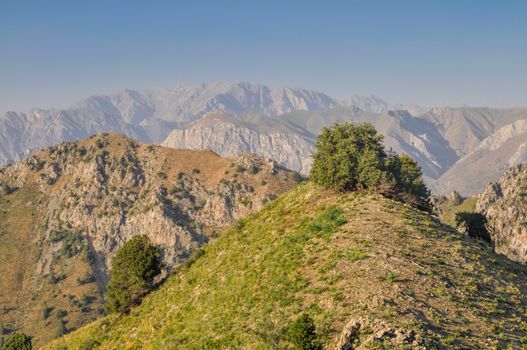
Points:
(53, 53)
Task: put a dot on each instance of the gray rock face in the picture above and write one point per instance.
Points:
(229, 136)
(504, 203)
(147, 116)
(505, 147)
(458, 148)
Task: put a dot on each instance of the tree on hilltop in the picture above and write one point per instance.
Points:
(352, 157)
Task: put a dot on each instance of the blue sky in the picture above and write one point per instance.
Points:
(473, 52)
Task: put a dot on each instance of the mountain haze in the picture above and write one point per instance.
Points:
(282, 123)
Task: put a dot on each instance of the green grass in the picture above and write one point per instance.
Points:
(311, 251)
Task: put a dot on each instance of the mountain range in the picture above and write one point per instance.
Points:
(459, 148)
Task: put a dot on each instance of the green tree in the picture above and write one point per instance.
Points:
(18, 341)
(132, 273)
(302, 333)
(338, 162)
(352, 157)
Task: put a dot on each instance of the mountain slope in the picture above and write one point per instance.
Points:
(504, 148)
(438, 138)
(64, 212)
(227, 135)
(369, 270)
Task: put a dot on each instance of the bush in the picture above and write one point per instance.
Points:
(5, 189)
(474, 225)
(132, 273)
(352, 157)
(18, 341)
(88, 278)
(62, 313)
(302, 333)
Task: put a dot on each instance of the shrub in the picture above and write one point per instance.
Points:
(297, 177)
(88, 278)
(18, 341)
(60, 329)
(62, 313)
(352, 157)
(132, 273)
(100, 143)
(196, 171)
(474, 225)
(5, 189)
(302, 333)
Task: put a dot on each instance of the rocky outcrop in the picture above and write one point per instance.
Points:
(363, 333)
(504, 203)
(89, 197)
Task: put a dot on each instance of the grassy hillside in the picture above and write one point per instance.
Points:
(408, 281)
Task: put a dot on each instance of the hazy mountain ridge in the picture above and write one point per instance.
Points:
(441, 139)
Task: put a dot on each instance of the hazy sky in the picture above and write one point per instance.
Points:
(53, 53)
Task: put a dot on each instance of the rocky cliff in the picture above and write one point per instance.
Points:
(504, 203)
(65, 211)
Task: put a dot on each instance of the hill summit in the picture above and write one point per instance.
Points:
(370, 271)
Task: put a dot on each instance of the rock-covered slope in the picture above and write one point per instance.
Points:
(504, 203)
(371, 272)
(64, 212)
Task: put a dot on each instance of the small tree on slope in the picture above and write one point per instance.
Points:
(18, 341)
(132, 274)
(302, 333)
